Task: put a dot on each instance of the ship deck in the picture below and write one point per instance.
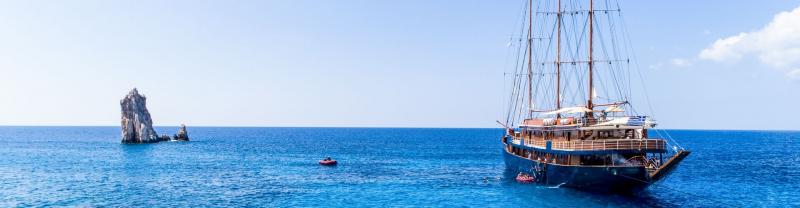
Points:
(643, 145)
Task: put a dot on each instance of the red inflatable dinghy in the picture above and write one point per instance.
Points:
(327, 162)
(525, 178)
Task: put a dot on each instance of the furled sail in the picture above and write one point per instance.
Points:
(568, 110)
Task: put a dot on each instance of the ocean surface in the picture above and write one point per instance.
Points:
(378, 167)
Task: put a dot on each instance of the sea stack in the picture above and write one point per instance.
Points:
(182, 135)
(137, 126)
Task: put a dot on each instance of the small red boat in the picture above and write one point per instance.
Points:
(327, 162)
(525, 178)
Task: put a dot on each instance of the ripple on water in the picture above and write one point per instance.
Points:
(267, 167)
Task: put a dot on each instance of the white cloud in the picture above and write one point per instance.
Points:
(794, 74)
(682, 63)
(777, 45)
(724, 49)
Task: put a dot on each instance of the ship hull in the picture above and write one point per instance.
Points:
(623, 180)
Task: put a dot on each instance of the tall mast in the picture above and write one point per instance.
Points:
(591, 61)
(558, 61)
(530, 57)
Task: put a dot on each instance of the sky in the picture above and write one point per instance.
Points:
(418, 63)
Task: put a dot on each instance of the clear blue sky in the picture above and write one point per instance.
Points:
(369, 63)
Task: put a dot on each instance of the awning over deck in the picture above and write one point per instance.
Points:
(568, 110)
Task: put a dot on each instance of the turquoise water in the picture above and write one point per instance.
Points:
(269, 167)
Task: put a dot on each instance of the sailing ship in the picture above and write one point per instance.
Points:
(559, 130)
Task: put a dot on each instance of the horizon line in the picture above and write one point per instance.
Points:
(375, 127)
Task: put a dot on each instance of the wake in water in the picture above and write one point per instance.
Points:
(557, 186)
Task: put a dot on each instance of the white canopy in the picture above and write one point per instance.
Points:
(615, 121)
(569, 110)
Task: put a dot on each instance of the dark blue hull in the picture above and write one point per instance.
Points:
(590, 178)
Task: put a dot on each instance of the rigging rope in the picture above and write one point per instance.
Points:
(613, 80)
(641, 80)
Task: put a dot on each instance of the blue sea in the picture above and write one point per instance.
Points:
(378, 167)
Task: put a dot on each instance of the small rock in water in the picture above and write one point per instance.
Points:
(182, 134)
(164, 137)
(137, 126)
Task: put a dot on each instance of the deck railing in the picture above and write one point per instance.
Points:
(603, 144)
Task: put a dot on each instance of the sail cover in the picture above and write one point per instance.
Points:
(568, 110)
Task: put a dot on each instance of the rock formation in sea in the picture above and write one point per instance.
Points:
(137, 126)
(182, 135)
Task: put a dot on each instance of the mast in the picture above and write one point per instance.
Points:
(530, 58)
(558, 61)
(589, 104)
